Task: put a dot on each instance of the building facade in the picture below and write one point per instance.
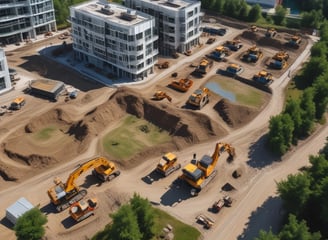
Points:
(5, 83)
(25, 19)
(177, 22)
(121, 42)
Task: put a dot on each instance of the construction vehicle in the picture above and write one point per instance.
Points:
(295, 41)
(168, 164)
(220, 53)
(163, 65)
(263, 77)
(160, 95)
(234, 69)
(227, 201)
(253, 54)
(218, 205)
(62, 195)
(200, 174)
(188, 53)
(210, 40)
(206, 221)
(83, 209)
(279, 60)
(17, 104)
(199, 98)
(253, 28)
(233, 45)
(271, 32)
(281, 55)
(204, 66)
(182, 85)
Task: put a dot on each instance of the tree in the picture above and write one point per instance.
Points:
(312, 19)
(319, 49)
(255, 13)
(145, 216)
(231, 8)
(218, 5)
(320, 97)
(125, 225)
(294, 110)
(243, 11)
(30, 225)
(325, 8)
(280, 17)
(308, 113)
(263, 235)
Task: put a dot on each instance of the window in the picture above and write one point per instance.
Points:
(140, 57)
(190, 14)
(139, 48)
(196, 10)
(139, 36)
(171, 20)
(190, 24)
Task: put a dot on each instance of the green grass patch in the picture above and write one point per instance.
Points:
(181, 230)
(45, 133)
(132, 136)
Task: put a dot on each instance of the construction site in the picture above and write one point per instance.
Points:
(196, 126)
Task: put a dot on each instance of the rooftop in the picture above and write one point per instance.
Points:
(172, 4)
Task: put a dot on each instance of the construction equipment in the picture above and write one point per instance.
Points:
(271, 32)
(227, 201)
(62, 195)
(263, 77)
(210, 40)
(204, 66)
(168, 164)
(83, 209)
(163, 65)
(279, 60)
(200, 174)
(218, 205)
(281, 55)
(199, 98)
(206, 221)
(295, 41)
(182, 85)
(234, 69)
(160, 95)
(254, 28)
(233, 45)
(17, 104)
(220, 53)
(253, 54)
(188, 53)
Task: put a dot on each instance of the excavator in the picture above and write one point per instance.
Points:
(160, 95)
(199, 98)
(62, 195)
(182, 85)
(168, 164)
(200, 174)
(83, 209)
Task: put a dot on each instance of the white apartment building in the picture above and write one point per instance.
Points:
(177, 22)
(118, 40)
(5, 83)
(25, 19)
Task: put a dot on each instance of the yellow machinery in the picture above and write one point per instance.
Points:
(234, 45)
(263, 77)
(280, 60)
(234, 69)
(62, 195)
(199, 98)
(254, 28)
(17, 103)
(271, 32)
(182, 85)
(200, 174)
(253, 54)
(204, 66)
(168, 164)
(160, 95)
(220, 53)
(83, 209)
(295, 41)
(163, 65)
(281, 55)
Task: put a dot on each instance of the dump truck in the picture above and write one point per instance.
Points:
(233, 45)
(271, 32)
(200, 174)
(160, 95)
(83, 209)
(17, 104)
(253, 54)
(234, 69)
(263, 77)
(199, 98)
(205, 220)
(168, 164)
(295, 41)
(182, 85)
(219, 53)
(204, 66)
(62, 195)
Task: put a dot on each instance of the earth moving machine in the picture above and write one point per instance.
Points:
(295, 41)
(62, 195)
(210, 40)
(253, 54)
(263, 77)
(233, 45)
(204, 66)
(163, 65)
(199, 98)
(160, 95)
(200, 174)
(168, 164)
(220, 53)
(218, 205)
(254, 28)
(234, 69)
(182, 85)
(206, 221)
(83, 209)
(18, 103)
(227, 201)
(279, 60)
(271, 32)
(281, 55)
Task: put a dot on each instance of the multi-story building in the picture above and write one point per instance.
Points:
(118, 40)
(5, 83)
(25, 19)
(177, 22)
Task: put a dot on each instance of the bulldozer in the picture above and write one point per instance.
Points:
(168, 164)
(200, 174)
(263, 77)
(204, 66)
(160, 95)
(62, 195)
(295, 41)
(281, 55)
(220, 53)
(234, 69)
(271, 32)
(17, 104)
(83, 209)
(234, 45)
(163, 65)
(182, 85)
(199, 98)
(253, 54)
(279, 60)
(254, 28)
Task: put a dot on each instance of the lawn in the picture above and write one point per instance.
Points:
(45, 133)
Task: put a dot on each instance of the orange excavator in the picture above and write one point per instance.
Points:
(160, 95)
(83, 209)
(182, 85)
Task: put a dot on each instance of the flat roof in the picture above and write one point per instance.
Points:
(18, 208)
(46, 85)
(112, 12)
(172, 4)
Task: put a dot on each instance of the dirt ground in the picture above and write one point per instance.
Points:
(80, 122)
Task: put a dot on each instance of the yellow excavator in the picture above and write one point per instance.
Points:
(168, 164)
(62, 195)
(200, 174)
(83, 209)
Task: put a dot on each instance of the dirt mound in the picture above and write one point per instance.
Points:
(271, 42)
(234, 115)
(251, 36)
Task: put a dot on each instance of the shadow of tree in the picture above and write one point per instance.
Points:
(177, 192)
(268, 216)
